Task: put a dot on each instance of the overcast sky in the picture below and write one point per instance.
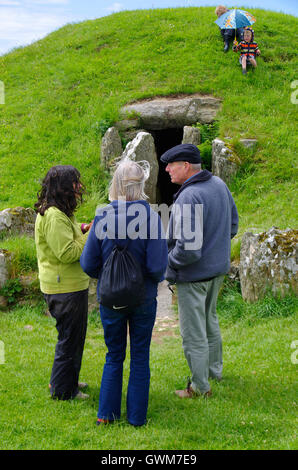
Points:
(25, 21)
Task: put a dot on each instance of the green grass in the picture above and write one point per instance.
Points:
(62, 91)
(254, 407)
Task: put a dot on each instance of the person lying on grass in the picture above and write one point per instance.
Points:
(248, 50)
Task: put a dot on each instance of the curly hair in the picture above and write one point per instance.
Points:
(220, 10)
(60, 188)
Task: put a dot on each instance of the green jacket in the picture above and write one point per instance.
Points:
(59, 244)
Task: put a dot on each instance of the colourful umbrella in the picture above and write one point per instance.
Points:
(234, 19)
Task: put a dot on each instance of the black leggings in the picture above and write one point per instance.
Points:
(71, 313)
(229, 34)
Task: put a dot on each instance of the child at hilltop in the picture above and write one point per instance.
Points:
(228, 34)
(248, 49)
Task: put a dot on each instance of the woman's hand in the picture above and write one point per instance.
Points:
(86, 227)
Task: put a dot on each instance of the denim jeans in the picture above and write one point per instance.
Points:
(140, 321)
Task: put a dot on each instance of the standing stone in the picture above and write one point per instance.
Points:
(17, 220)
(191, 135)
(111, 147)
(249, 143)
(5, 220)
(5, 259)
(142, 148)
(268, 262)
(224, 163)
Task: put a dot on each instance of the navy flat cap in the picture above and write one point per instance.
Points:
(182, 153)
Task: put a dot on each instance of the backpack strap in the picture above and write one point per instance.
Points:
(124, 247)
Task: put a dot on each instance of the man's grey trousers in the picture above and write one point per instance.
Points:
(200, 330)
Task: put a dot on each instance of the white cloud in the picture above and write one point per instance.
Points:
(115, 7)
(19, 27)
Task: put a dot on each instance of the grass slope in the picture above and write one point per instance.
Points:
(61, 91)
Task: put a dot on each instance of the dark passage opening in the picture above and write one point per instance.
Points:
(165, 139)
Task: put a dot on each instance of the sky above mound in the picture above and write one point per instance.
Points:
(25, 21)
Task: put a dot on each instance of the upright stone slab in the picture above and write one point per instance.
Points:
(111, 147)
(142, 147)
(191, 135)
(224, 163)
(268, 262)
(17, 220)
(249, 143)
(5, 220)
(5, 260)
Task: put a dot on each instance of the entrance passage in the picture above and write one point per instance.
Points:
(165, 139)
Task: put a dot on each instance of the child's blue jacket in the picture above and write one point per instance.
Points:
(112, 224)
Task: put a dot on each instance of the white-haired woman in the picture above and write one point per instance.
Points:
(127, 220)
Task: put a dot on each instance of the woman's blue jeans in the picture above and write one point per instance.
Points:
(140, 321)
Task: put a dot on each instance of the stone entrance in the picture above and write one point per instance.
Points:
(165, 139)
(170, 112)
(168, 120)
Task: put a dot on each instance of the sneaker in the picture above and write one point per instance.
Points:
(103, 421)
(244, 71)
(81, 396)
(82, 385)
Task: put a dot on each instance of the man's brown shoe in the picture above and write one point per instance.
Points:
(190, 393)
(186, 393)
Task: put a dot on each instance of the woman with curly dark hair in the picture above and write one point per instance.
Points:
(60, 240)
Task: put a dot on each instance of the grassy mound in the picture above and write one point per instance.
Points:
(61, 94)
(63, 91)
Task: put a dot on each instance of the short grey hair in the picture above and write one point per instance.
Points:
(196, 166)
(128, 182)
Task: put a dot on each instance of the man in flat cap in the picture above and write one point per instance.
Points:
(198, 258)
